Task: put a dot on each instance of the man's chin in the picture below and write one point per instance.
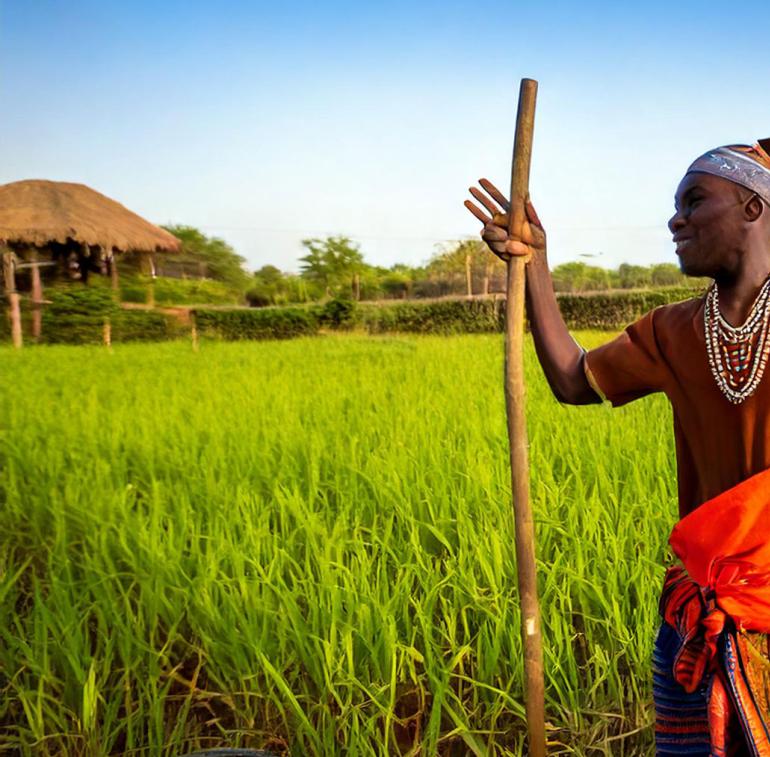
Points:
(690, 269)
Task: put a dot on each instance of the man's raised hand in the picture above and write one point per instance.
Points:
(529, 241)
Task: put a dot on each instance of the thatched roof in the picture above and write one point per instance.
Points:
(38, 212)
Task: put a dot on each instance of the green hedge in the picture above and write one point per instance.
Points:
(127, 326)
(76, 315)
(441, 317)
(146, 326)
(267, 323)
(612, 311)
(605, 311)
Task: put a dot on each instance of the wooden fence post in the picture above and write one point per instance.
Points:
(14, 311)
(194, 333)
(468, 276)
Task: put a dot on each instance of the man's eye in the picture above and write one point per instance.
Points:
(692, 203)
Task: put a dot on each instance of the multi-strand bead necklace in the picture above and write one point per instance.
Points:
(738, 355)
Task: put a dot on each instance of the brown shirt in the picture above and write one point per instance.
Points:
(718, 444)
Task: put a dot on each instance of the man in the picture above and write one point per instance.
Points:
(711, 669)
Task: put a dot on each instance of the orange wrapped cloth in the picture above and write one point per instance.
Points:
(725, 547)
(715, 599)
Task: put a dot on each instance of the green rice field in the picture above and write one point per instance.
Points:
(307, 546)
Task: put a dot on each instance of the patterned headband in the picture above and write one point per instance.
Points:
(737, 167)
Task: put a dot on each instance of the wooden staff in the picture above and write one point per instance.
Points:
(534, 688)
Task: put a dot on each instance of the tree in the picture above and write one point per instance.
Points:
(580, 277)
(272, 286)
(667, 274)
(397, 282)
(332, 263)
(208, 257)
(269, 275)
(634, 276)
(447, 270)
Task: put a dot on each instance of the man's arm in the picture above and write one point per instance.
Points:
(559, 354)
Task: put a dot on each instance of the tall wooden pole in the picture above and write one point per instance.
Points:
(534, 688)
(9, 281)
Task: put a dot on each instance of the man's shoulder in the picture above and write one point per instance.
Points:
(677, 314)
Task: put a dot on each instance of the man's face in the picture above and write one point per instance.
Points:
(708, 225)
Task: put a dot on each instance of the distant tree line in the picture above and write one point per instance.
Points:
(581, 277)
(335, 267)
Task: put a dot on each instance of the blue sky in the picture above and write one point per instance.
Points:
(265, 124)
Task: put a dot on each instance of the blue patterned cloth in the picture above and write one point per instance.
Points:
(681, 719)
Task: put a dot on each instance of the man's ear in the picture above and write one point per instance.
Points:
(754, 208)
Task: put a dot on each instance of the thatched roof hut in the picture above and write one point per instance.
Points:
(73, 228)
(38, 212)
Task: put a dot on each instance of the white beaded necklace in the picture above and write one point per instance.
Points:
(736, 363)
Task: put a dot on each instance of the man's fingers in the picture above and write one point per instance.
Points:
(495, 194)
(498, 241)
(532, 215)
(493, 233)
(517, 249)
(485, 201)
(478, 212)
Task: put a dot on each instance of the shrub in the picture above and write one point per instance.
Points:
(168, 291)
(145, 326)
(263, 323)
(443, 317)
(93, 301)
(76, 314)
(259, 297)
(338, 313)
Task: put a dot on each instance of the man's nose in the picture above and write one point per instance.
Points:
(675, 222)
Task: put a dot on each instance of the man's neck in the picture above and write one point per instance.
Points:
(738, 292)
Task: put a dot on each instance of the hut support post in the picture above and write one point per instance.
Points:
(14, 311)
(113, 271)
(37, 296)
(148, 267)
